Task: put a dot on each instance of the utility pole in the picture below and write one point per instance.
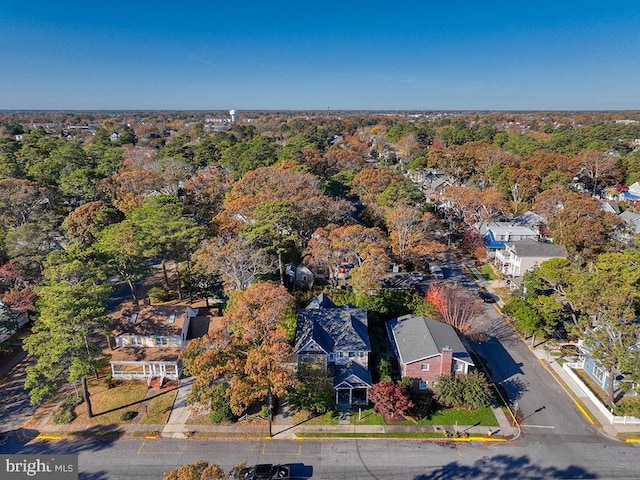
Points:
(270, 408)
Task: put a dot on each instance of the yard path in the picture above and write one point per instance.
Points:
(180, 413)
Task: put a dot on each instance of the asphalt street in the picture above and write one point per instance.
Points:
(348, 459)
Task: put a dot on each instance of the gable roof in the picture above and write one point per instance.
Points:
(632, 219)
(352, 375)
(321, 301)
(416, 338)
(530, 220)
(161, 320)
(334, 329)
(532, 248)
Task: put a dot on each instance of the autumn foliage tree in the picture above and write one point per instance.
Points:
(411, 234)
(454, 305)
(365, 248)
(251, 351)
(390, 400)
(200, 470)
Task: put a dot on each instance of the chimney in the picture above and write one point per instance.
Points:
(446, 361)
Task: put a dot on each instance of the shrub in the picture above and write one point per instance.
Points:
(407, 382)
(66, 412)
(384, 369)
(71, 402)
(264, 412)
(628, 407)
(62, 416)
(423, 405)
(128, 415)
(220, 407)
(159, 293)
(108, 381)
(465, 391)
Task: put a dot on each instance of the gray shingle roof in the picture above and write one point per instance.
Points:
(354, 374)
(335, 329)
(533, 248)
(417, 338)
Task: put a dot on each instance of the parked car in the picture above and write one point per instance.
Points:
(436, 271)
(416, 276)
(486, 296)
(264, 471)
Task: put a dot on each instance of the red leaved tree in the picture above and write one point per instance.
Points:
(390, 400)
(455, 306)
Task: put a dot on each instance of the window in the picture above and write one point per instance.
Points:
(457, 367)
(423, 385)
(332, 357)
(162, 341)
(600, 373)
(424, 367)
(352, 354)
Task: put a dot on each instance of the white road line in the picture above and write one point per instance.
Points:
(536, 426)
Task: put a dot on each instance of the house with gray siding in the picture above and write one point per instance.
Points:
(337, 337)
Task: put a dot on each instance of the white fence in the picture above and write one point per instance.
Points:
(613, 419)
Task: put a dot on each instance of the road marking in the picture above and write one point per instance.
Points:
(536, 426)
(180, 452)
(48, 437)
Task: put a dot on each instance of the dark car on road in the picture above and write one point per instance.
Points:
(486, 297)
(264, 471)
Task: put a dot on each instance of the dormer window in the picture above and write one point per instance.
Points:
(132, 318)
(172, 319)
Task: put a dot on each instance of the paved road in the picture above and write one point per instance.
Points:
(548, 413)
(349, 459)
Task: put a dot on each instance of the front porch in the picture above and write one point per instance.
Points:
(122, 370)
(352, 384)
(347, 396)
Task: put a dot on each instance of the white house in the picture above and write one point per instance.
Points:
(146, 341)
(519, 257)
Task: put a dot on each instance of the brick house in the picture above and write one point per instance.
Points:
(427, 349)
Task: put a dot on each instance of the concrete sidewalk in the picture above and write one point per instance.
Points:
(180, 412)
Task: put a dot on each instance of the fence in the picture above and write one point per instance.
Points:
(611, 418)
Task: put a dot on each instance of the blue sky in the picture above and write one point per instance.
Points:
(422, 55)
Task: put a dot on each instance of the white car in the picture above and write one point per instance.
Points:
(436, 271)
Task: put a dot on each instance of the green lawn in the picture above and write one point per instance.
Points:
(329, 418)
(488, 272)
(450, 416)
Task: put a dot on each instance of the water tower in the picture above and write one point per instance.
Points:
(233, 116)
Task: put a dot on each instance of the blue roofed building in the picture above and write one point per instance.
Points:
(495, 235)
